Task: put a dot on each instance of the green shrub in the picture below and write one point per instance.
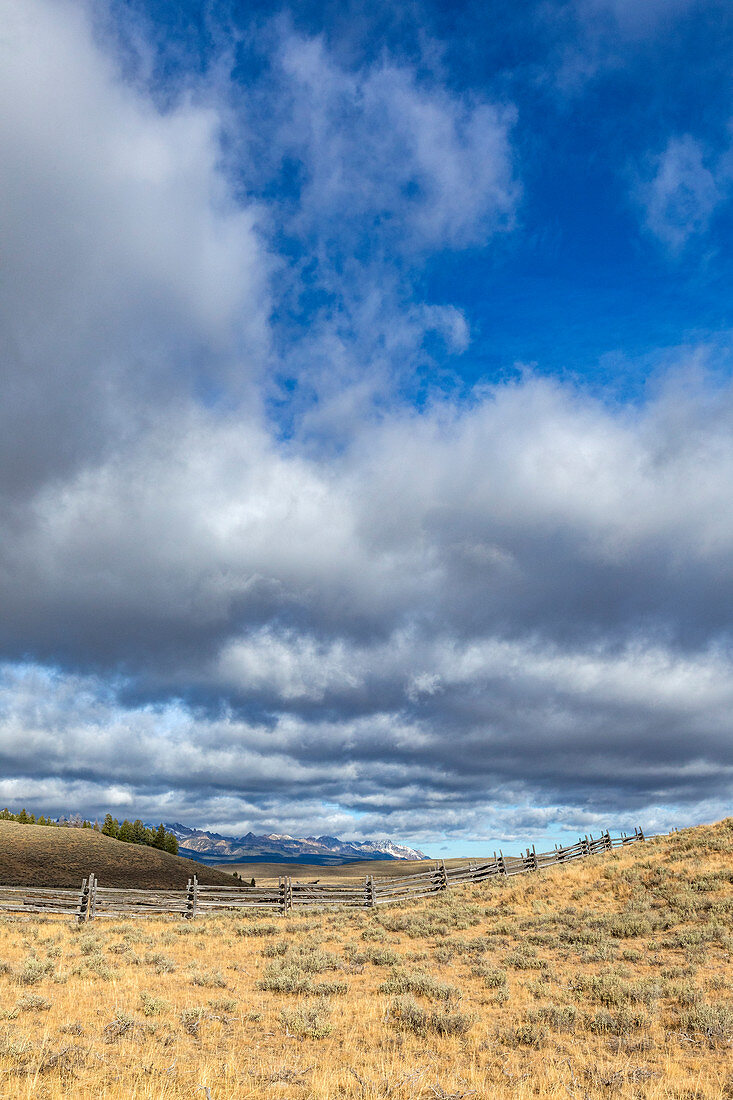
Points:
(257, 930)
(381, 956)
(163, 963)
(282, 977)
(425, 985)
(204, 977)
(32, 1002)
(311, 1021)
(524, 960)
(617, 1023)
(556, 1017)
(33, 970)
(493, 976)
(408, 1015)
(527, 1033)
(153, 1006)
(713, 1021)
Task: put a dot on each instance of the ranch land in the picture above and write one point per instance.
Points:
(609, 977)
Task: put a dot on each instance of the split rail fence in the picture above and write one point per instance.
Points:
(94, 900)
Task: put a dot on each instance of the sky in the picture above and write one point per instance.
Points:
(366, 432)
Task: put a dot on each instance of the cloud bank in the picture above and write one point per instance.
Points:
(246, 582)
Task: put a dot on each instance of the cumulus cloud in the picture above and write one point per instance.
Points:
(528, 602)
(133, 278)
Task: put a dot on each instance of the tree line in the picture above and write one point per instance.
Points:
(134, 832)
(130, 832)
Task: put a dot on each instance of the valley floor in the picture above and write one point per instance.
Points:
(610, 977)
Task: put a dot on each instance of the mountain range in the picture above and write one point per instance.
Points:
(213, 848)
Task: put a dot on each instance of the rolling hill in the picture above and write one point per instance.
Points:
(35, 855)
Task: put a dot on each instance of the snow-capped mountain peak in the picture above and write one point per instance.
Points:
(209, 847)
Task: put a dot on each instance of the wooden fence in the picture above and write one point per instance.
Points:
(94, 900)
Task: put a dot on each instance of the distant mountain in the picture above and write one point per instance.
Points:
(214, 848)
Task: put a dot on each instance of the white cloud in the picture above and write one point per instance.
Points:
(683, 191)
(421, 165)
(530, 599)
(134, 278)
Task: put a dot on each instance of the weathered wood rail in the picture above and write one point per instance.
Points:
(93, 901)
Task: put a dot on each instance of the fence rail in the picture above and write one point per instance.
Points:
(93, 900)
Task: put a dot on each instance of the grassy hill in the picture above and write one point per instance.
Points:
(35, 855)
(610, 977)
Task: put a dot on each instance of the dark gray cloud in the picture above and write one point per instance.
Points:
(483, 619)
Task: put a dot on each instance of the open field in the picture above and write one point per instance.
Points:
(36, 855)
(345, 872)
(610, 977)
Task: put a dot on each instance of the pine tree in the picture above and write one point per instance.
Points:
(159, 838)
(171, 844)
(126, 832)
(111, 826)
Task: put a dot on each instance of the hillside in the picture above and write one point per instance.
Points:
(35, 855)
(610, 977)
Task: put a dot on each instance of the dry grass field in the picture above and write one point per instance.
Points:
(36, 855)
(612, 977)
(266, 873)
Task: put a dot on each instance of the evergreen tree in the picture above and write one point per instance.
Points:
(111, 826)
(126, 832)
(159, 838)
(22, 818)
(171, 844)
(140, 835)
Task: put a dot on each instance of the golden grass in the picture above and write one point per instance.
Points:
(39, 855)
(267, 873)
(611, 977)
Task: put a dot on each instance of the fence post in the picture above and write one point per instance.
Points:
(81, 912)
(92, 905)
(370, 892)
(535, 865)
(502, 864)
(607, 841)
(640, 833)
(286, 894)
(585, 845)
(192, 897)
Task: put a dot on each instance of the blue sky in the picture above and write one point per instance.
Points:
(366, 448)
